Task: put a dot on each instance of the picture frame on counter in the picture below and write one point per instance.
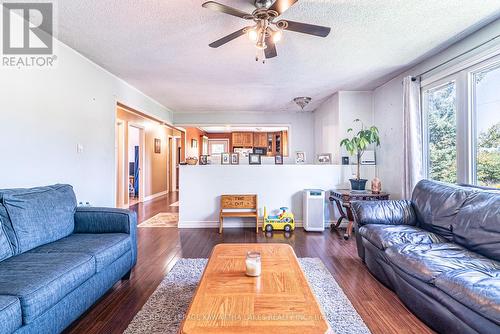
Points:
(254, 159)
(300, 157)
(278, 159)
(260, 150)
(324, 158)
(235, 158)
(225, 158)
(203, 160)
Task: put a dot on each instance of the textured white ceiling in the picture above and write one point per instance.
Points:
(161, 47)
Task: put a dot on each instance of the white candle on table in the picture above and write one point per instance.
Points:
(253, 264)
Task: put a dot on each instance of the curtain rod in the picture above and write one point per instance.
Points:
(457, 56)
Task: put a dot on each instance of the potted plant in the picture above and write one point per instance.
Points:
(356, 145)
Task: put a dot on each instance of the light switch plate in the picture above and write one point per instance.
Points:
(79, 148)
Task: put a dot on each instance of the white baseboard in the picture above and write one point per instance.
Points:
(150, 197)
(234, 224)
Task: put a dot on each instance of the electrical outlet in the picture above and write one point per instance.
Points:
(79, 148)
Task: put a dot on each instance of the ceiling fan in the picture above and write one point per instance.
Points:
(265, 31)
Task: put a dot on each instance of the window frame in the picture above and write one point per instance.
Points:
(463, 76)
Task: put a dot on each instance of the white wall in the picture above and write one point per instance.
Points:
(275, 186)
(334, 116)
(388, 106)
(327, 128)
(300, 135)
(45, 113)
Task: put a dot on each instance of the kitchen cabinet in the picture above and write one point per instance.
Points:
(274, 142)
(242, 139)
(260, 139)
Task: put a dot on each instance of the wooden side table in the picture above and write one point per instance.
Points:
(343, 198)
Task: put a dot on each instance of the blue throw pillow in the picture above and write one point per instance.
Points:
(6, 247)
(40, 215)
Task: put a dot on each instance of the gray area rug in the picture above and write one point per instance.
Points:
(165, 309)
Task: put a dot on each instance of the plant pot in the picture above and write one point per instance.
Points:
(358, 184)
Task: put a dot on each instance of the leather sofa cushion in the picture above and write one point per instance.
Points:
(40, 215)
(437, 204)
(428, 261)
(477, 225)
(40, 280)
(385, 236)
(477, 289)
(398, 212)
(105, 248)
(10, 314)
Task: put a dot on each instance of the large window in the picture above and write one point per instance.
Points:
(462, 124)
(486, 116)
(440, 103)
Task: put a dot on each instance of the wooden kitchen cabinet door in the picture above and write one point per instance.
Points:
(260, 139)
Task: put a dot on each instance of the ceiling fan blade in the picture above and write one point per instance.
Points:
(281, 6)
(270, 51)
(306, 28)
(226, 9)
(227, 38)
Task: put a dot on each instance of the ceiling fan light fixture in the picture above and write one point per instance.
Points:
(253, 35)
(277, 35)
(261, 45)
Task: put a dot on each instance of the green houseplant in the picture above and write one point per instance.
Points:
(356, 145)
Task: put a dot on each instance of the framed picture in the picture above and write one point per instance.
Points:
(254, 159)
(157, 145)
(300, 157)
(225, 159)
(324, 158)
(278, 159)
(235, 158)
(194, 143)
(203, 159)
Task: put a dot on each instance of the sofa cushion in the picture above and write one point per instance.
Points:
(40, 215)
(385, 236)
(6, 249)
(40, 280)
(428, 261)
(10, 314)
(8, 233)
(477, 289)
(477, 225)
(105, 248)
(436, 205)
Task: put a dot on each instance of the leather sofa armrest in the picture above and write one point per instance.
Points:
(107, 220)
(395, 212)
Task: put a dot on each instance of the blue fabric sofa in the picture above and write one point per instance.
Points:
(57, 259)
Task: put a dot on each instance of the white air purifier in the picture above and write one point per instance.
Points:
(314, 210)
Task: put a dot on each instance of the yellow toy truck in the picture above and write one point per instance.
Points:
(285, 221)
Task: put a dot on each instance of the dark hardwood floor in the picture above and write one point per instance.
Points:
(160, 248)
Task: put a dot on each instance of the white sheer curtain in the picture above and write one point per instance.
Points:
(413, 136)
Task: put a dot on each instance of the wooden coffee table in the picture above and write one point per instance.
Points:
(279, 301)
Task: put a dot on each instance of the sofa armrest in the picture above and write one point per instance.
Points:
(107, 220)
(104, 220)
(383, 212)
